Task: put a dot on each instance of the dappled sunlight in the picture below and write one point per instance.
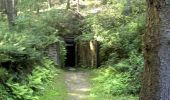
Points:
(82, 93)
(76, 96)
(84, 89)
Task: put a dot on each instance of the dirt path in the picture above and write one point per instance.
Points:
(78, 85)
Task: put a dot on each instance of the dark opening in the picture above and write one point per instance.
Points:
(70, 57)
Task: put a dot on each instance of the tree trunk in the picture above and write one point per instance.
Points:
(68, 4)
(38, 10)
(49, 4)
(11, 12)
(78, 5)
(61, 1)
(156, 82)
(2, 5)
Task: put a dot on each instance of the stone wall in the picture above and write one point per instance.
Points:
(53, 51)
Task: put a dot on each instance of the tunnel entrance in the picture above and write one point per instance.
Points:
(70, 56)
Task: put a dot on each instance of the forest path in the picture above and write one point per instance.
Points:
(78, 84)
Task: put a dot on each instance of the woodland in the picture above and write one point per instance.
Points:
(123, 45)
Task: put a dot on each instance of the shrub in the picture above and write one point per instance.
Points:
(119, 29)
(29, 89)
(24, 68)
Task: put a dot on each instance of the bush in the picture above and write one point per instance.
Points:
(119, 28)
(30, 87)
(24, 67)
(121, 78)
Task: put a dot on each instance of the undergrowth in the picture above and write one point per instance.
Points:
(108, 84)
(32, 85)
(56, 88)
(24, 65)
(118, 28)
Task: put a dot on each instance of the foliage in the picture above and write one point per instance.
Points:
(21, 92)
(3, 73)
(29, 88)
(67, 22)
(55, 89)
(4, 95)
(85, 37)
(62, 53)
(24, 70)
(32, 5)
(108, 84)
(119, 28)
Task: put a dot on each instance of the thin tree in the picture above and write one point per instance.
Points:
(49, 3)
(2, 5)
(156, 82)
(11, 12)
(78, 5)
(68, 4)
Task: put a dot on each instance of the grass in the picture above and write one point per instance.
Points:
(111, 97)
(56, 90)
(94, 73)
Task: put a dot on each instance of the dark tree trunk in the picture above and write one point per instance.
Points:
(11, 12)
(156, 82)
